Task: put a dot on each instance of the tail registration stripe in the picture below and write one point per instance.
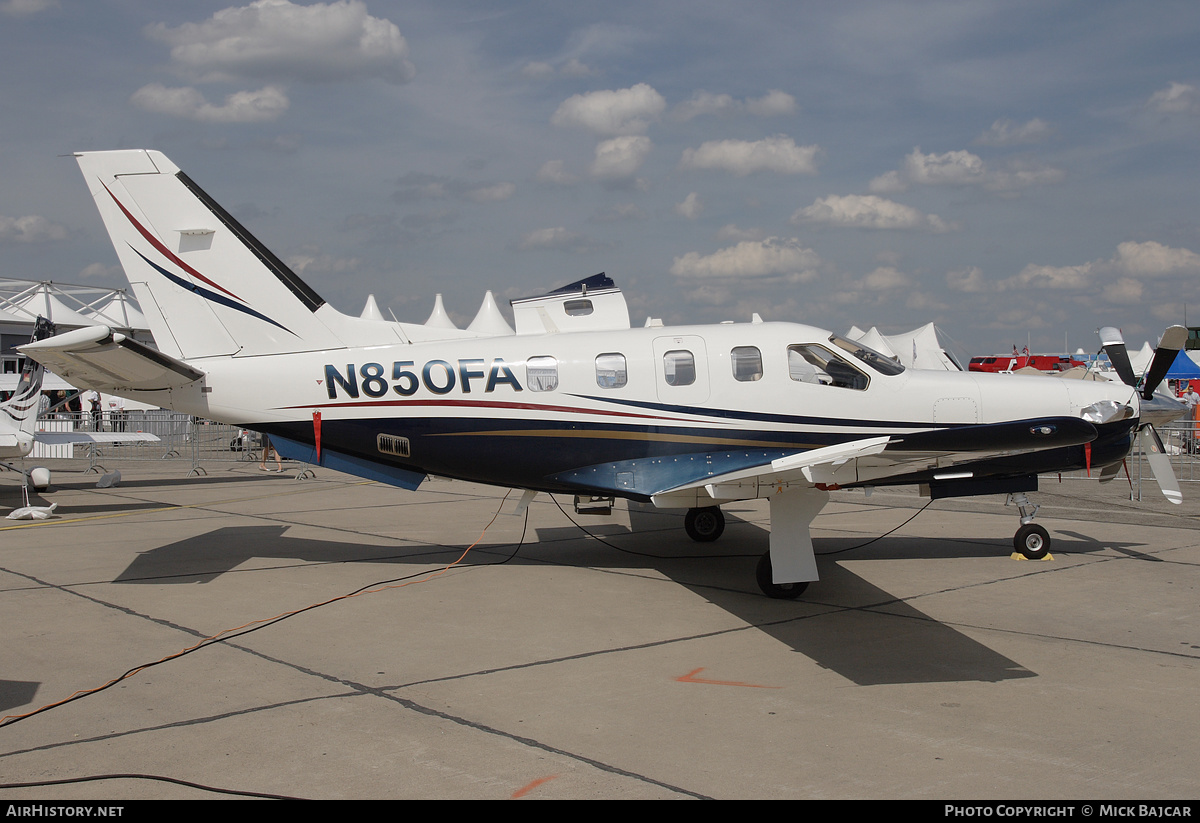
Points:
(154, 241)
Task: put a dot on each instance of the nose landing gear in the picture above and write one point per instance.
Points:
(1031, 540)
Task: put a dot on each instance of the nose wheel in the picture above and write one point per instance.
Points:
(1031, 540)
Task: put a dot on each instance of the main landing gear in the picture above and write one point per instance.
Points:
(1031, 540)
(778, 591)
(704, 525)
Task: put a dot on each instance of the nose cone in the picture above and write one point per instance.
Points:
(1160, 410)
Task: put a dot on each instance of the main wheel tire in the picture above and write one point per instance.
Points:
(778, 591)
(704, 525)
(1032, 541)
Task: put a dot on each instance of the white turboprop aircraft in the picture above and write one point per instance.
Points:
(18, 417)
(574, 400)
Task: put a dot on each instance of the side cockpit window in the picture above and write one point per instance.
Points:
(879, 362)
(819, 365)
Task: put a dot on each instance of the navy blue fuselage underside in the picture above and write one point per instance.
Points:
(638, 461)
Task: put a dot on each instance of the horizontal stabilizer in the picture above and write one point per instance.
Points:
(78, 438)
(99, 358)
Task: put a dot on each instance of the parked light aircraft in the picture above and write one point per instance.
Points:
(573, 400)
(18, 416)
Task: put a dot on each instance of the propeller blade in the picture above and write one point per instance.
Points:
(1114, 346)
(1172, 341)
(1160, 465)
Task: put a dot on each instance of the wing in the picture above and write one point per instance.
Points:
(99, 358)
(884, 459)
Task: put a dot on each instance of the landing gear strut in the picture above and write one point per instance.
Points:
(1031, 540)
(704, 525)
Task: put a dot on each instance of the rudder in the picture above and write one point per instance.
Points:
(205, 284)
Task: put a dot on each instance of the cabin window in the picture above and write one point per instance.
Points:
(747, 363)
(541, 373)
(817, 364)
(578, 308)
(679, 367)
(610, 371)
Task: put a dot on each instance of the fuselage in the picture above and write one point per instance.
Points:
(628, 412)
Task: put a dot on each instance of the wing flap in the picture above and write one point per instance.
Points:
(827, 466)
(99, 358)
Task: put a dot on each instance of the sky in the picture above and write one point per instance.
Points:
(1015, 172)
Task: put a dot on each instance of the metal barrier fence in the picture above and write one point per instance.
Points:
(180, 437)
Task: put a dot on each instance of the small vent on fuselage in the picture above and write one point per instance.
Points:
(393, 445)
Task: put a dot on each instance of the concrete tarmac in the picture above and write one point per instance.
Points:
(550, 663)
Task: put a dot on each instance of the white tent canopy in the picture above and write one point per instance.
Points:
(118, 311)
(917, 349)
(68, 306)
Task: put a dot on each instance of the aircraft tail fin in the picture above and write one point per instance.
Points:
(22, 408)
(206, 285)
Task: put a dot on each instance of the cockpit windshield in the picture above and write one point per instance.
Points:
(879, 362)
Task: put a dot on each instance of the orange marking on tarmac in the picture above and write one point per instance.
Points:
(690, 677)
(524, 790)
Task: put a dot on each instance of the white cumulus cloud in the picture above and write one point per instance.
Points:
(772, 104)
(554, 171)
(704, 102)
(261, 106)
(1125, 292)
(969, 280)
(281, 41)
(885, 278)
(1005, 132)
(619, 112)
(691, 206)
(555, 239)
(26, 8)
(1175, 98)
(961, 168)
(1051, 277)
(867, 211)
(32, 228)
(620, 157)
(751, 259)
(1151, 258)
(778, 154)
(1119, 273)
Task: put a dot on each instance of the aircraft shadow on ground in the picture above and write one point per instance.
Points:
(15, 693)
(844, 623)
